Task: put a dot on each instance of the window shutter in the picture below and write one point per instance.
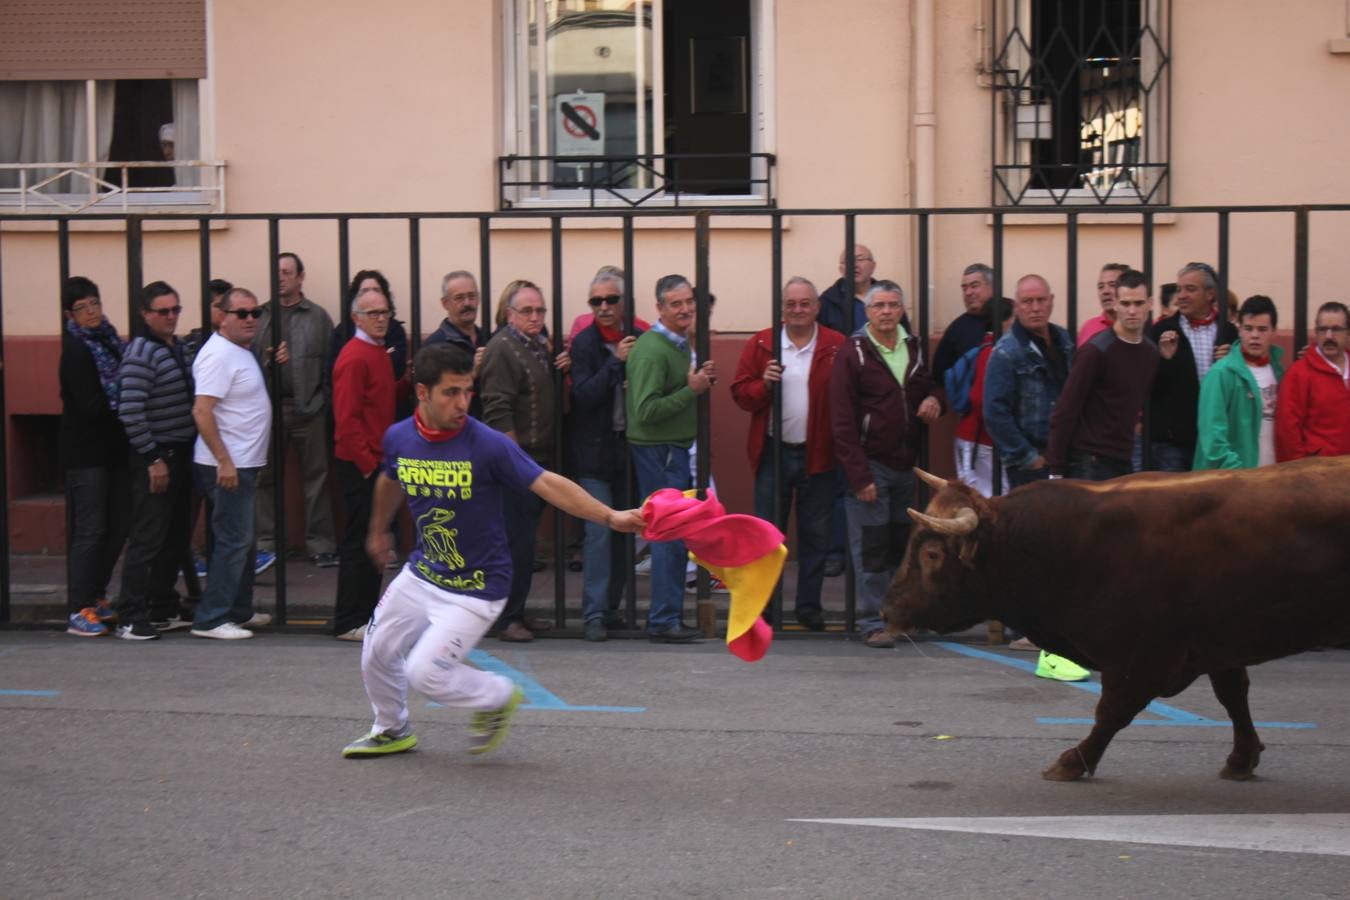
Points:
(43, 40)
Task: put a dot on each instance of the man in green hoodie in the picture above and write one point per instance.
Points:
(1236, 421)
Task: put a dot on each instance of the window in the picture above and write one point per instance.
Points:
(615, 102)
(1080, 102)
(96, 113)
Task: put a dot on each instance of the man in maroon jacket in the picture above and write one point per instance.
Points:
(879, 393)
(1312, 417)
(364, 396)
(802, 378)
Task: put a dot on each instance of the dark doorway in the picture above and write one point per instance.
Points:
(707, 102)
(140, 107)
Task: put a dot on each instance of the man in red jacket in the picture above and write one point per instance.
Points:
(802, 379)
(1312, 417)
(880, 392)
(364, 396)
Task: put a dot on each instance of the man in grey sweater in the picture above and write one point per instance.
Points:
(155, 407)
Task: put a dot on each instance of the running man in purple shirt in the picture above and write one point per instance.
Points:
(453, 471)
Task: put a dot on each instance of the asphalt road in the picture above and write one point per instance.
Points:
(189, 768)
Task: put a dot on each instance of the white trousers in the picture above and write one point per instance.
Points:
(420, 637)
(975, 466)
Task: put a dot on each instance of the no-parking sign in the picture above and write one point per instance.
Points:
(579, 123)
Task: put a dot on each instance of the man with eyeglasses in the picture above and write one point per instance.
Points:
(800, 374)
(460, 300)
(233, 412)
(1188, 343)
(1312, 417)
(841, 304)
(306, 337)
(519, 400)
(365, 396)
(155, 407)
(880, 392)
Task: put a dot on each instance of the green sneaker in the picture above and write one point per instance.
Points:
(489, 729)
(1060, 669)
(378, 743)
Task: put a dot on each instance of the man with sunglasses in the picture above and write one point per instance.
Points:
(233, 413)
(596, 429)
(155, 407)
(1312, 417)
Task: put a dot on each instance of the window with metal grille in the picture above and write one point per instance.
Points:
(1080, 102)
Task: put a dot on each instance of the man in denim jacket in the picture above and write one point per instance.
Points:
(1026, 373)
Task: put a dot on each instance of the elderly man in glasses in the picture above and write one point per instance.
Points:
(1312, 417)
(597, 432)
(233, 413)
(155, 407)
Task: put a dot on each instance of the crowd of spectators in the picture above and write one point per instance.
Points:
(157, 429)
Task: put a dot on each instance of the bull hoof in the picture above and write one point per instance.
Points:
(1069, 767)
(1241, 767)
(1228, 773)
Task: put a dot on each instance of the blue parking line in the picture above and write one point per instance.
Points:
(536, 695)
(1170, 715)
(16, 693)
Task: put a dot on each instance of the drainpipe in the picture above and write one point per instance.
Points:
(924, 121)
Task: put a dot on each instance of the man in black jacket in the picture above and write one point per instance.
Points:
(1189, 343)
(460, 299)
(599, 354)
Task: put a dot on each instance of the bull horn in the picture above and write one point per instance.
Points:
(964, 522)
(928, 478)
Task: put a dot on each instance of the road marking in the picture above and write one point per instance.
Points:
(16, 693)
(1326, 834)
(1170, 715)
(536, 695)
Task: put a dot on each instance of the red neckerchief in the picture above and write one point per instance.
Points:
(1207, 320)
(435, 435)
(1257, 361)
(610, 335)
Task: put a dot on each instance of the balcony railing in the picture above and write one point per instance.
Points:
(77, 187)
(623, 182)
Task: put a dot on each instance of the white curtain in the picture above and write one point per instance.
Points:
(45, 121)
(187, 130)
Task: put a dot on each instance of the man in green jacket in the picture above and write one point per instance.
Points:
(1236, 422)
(662, 424)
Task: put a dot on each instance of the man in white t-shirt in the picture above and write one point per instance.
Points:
(234, 419)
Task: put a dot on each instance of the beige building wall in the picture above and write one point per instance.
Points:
(361, 107)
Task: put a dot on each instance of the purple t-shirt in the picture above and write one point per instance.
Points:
(454, 490)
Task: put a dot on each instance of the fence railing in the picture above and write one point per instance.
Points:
(920, 302)
(76, 187)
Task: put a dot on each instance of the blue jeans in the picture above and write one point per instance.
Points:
(878, 533)
(1019, 477)
(664, 466)
(815, 498)
(1170, 458)
(604, 562)
(229, 578)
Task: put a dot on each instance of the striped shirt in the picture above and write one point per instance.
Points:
(156, 396)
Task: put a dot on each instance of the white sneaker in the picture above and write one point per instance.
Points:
(226, 631)
(258, 620)
(644, 567)
(356, 634)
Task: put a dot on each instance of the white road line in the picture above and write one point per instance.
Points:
(1326, 834)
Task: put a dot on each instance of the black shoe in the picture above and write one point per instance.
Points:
(137, 631)
(675, 634)
(615, 620)
(324, 560)
(834, 568)
(595, 631)
(811, 619)
(538, 566)
(574, 565)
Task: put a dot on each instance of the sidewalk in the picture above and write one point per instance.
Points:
(38, 596)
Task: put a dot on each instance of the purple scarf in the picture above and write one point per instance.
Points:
(106, 348)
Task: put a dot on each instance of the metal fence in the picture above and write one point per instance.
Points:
(920, 304)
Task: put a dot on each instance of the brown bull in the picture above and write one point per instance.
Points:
(1153, 580)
